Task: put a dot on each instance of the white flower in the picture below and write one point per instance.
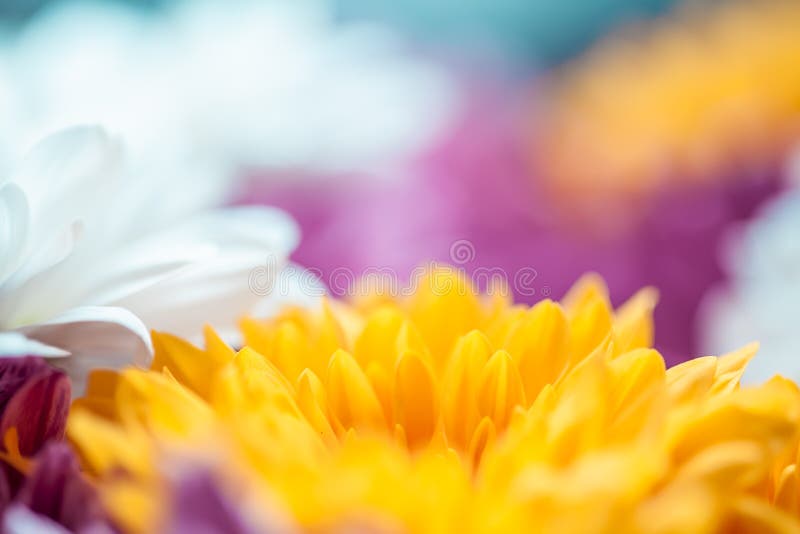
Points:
(91, 253)
(760, 302)
(224, 84)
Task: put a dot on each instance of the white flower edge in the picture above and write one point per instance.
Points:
(93, 337)
(17, 344)
(19, 519)
(99, 284)
(762, 258)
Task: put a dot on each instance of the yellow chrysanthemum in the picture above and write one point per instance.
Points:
(450, 412)
(707, 91)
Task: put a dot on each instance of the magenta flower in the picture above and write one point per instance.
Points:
(34, 400)
(479, 185)
(56, 493)
(41, 486)
(199, 506)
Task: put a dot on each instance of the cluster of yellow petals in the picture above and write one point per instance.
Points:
(710, 90)
(448, 411)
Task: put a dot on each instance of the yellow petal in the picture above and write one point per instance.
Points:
(638, 399)
(415, 402)
(731, 367)
(381, 379)
(257, 334)
(787, 496)
(444, 307)
(538, 344)
(100, 397)
(187, 363)
(251, 382)
(217, 350)
(756, 515)
(500, 390)
(377, 341)
(633, 325)
(692, 379)
(313, 403)
(353, 402)
(288, 344)
(728, 466)
(482, 440)
(587, 289)
(767, 414)
(581, 408)
(160, 403)
(135, 506)
(408, 339)
(331, 335)
(460, 389)
(105, 447)
(590, 316)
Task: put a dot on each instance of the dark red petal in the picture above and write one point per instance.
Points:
(38, 410)
(14, 372)
(5, 487)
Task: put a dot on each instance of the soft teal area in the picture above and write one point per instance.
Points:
(545, 31)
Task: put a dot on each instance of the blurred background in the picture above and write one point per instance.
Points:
(651, 141)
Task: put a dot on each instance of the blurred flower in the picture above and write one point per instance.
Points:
(683, 103)
(763, 260)
(474, 186)
(41, 487)
(56, 498)
(445, 410)
(223, 85)
(199, 506)
(34, 402)
(86, 246)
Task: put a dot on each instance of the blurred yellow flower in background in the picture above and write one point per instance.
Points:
(710, 92)
(445, 411)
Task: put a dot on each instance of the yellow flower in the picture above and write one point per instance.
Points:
(708, 91)
(450, 411)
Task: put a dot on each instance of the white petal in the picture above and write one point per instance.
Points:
(294, 286)
(65, 178)
(269, 229)
(19, 519)
(215, 288)
(37, 266)
(159, 277)
(14, 221)
(14, 344)
(758, 301)
(95, 337)
(70, 162)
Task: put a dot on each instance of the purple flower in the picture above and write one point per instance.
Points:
(57, 490)
(41, 486)
(199, 507)
(479, 185)
(34, 400)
